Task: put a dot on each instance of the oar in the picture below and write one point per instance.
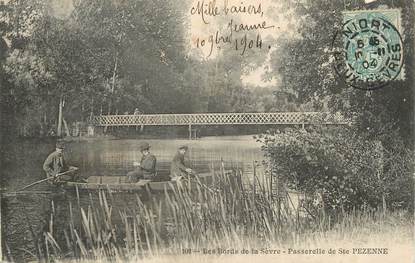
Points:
(46, 179)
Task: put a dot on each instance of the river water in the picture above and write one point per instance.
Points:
(26, 216)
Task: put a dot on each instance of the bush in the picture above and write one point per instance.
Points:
(347, 169)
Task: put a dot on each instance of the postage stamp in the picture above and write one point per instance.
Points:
(371, 53)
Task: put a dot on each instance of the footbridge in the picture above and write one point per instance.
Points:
(253, 118)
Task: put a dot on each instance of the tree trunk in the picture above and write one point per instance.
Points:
(68, 133)
(59, 131)
(114, 74)
(82, 111)
(91, 114)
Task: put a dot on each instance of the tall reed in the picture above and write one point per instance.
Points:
(227, 212)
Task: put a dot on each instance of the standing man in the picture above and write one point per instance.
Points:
(146, 169)
(55, 166)
(137, 111)
(178, 167)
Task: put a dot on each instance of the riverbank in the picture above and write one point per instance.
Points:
(103, 137)
(358, 238)
(363, 241)
(88, 138)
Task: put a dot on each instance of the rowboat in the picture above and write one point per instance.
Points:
(120, 183)
(112, 183)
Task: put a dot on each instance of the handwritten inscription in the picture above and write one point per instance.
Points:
(205, 9)
(235, 24)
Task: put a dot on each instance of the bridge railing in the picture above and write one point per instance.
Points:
(219, 119)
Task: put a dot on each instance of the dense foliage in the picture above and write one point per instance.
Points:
(345, 168)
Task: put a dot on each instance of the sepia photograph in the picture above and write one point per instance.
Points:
(207, 131)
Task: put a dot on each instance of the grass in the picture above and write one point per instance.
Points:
(226, 214)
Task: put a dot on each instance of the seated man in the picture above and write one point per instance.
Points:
(146, 169)
(56, 168)
(178, 167)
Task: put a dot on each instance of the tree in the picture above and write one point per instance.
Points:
(304, 66)
(90, 60)
(383, 119)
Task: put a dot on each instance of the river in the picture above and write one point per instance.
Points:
(26, 216)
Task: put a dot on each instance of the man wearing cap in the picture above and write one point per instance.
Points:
(178, 167)
(146, 169)
(55, 166)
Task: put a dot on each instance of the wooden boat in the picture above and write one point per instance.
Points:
(112, 183)
(120, 183)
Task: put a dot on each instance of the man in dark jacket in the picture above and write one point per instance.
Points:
(146, 169)
(178, 167)
(55, 166)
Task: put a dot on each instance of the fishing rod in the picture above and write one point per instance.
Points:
(10, 194)
(46, 179)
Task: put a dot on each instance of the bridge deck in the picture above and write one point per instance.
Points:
(219, 119)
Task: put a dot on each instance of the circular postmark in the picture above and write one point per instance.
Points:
(368, 51)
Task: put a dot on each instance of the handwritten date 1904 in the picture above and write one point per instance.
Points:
(244, 43)
(241, 44)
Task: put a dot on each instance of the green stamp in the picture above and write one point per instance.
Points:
(371, 52)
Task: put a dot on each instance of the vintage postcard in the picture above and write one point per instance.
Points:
(207, 130)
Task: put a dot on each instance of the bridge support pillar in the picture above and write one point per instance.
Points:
(90, 130)
(190, 131)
